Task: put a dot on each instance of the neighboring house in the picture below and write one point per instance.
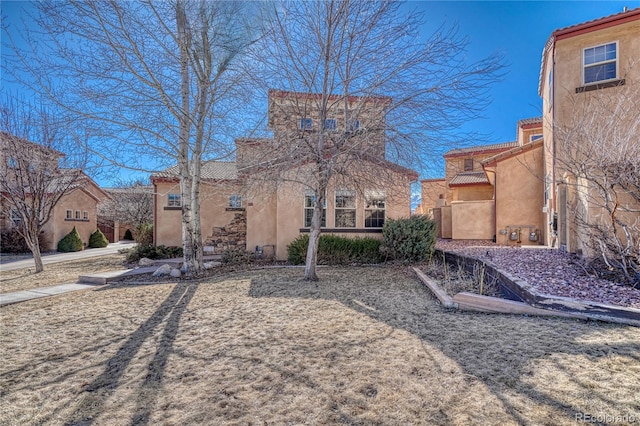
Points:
(239, 212)
(77, 207)
(491, 191)
(125, 207)
(590, 87)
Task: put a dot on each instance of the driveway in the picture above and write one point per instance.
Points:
(64, 257)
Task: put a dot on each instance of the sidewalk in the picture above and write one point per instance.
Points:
(63, 257)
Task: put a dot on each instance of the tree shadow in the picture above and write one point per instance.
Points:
(106, 384)
(501, 351)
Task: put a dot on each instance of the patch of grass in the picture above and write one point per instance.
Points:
(362, 346)
(58, 273)
(453, 279)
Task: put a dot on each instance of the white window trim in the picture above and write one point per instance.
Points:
(85, 215)
(305, 208)
(69, 214)
(370, 194)
(531, 137)
(233, 201)
(354, 208)
(78, 215)
(335, 124)
(305, 123)
(616, 60)
(173, 204)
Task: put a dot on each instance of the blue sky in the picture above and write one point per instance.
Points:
(518, 29)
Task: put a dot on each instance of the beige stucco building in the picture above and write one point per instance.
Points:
(77, 207)
(244, 205)
(590, 87)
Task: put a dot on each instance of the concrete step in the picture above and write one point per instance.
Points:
(105, 277)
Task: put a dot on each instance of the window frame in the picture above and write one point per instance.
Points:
(305, 208)
(15, 217)
(235, 201)
(345, 193)
(174, 200)
(464, 165)
(372, 195)
(69, 214)
(600, 63)
(85, 215)
(305, 123)
(535, 137)
(333, 124)
(353, 125)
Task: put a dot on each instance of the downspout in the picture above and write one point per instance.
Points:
(155, 211)
(495, 201)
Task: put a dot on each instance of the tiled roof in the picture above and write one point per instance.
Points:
(534, 120)
(214, 170)
(481, 148)
(469, 178)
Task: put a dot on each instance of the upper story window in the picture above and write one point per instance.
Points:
(69, 214)
(12, 163)
(535, 137)
(353, 125)
(468, 164)
(330, 124)
(309, 204)
(235, 201)
(85, 215)
(78, 215)
(600, 63)
(345, 208)
(174, 200)
(305, 124)
(374, 209)
(15, 217)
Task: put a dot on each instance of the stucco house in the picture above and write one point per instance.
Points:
(241, 208)
(491, 191)
(590, 88)
(77, 207)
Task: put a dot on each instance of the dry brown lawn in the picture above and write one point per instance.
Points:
(58, 273)
(366, 346)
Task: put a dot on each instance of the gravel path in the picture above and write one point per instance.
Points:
(549, 271)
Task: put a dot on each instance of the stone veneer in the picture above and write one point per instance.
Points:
(231, 236)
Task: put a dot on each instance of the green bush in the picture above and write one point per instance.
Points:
(98, 240)
(12, 242)
(128, 235)
(409, 240)
(335, 250)
(70, 242)
(153, 252)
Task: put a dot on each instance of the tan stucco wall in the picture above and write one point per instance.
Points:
(472, 193)
(472, 220)
(520, 195)
(59, 226)
(214, 200)
(445, 215)
(434, 194)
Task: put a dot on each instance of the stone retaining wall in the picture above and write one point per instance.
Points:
(230, 237)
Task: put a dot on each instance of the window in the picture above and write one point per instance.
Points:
(174, 200)
(306, 124)
(309, 203)
(353, 125)
(345, 209)
(85, 215)
(374, 207)
(69, 214)
(600, 63)
(330, 124)
(12, 163)
(534, 138)
(468, 164)
(78, 215)
(235, 201)
(15, 217)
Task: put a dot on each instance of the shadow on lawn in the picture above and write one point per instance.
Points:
(501, 351)
(96, 392)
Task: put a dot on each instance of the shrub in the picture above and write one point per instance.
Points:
(128, 235)
(12, 242)
(144, 234)
(237, 256)
(409, 240)
(335, 250)
(70, 242)
(98, 240)
(153, 252)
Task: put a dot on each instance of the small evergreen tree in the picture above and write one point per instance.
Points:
(409, 240)
(98, 240)
(71, 242)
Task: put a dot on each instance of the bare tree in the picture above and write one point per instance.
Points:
(131, 203)
(31, 180)
(378, 91)
(154, 82)
(597, 159)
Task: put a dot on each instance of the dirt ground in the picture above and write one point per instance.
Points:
(58, 273)
(364, 346)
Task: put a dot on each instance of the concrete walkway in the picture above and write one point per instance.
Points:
(65, 257)
(21, 296)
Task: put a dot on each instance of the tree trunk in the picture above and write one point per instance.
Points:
(314, 238)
